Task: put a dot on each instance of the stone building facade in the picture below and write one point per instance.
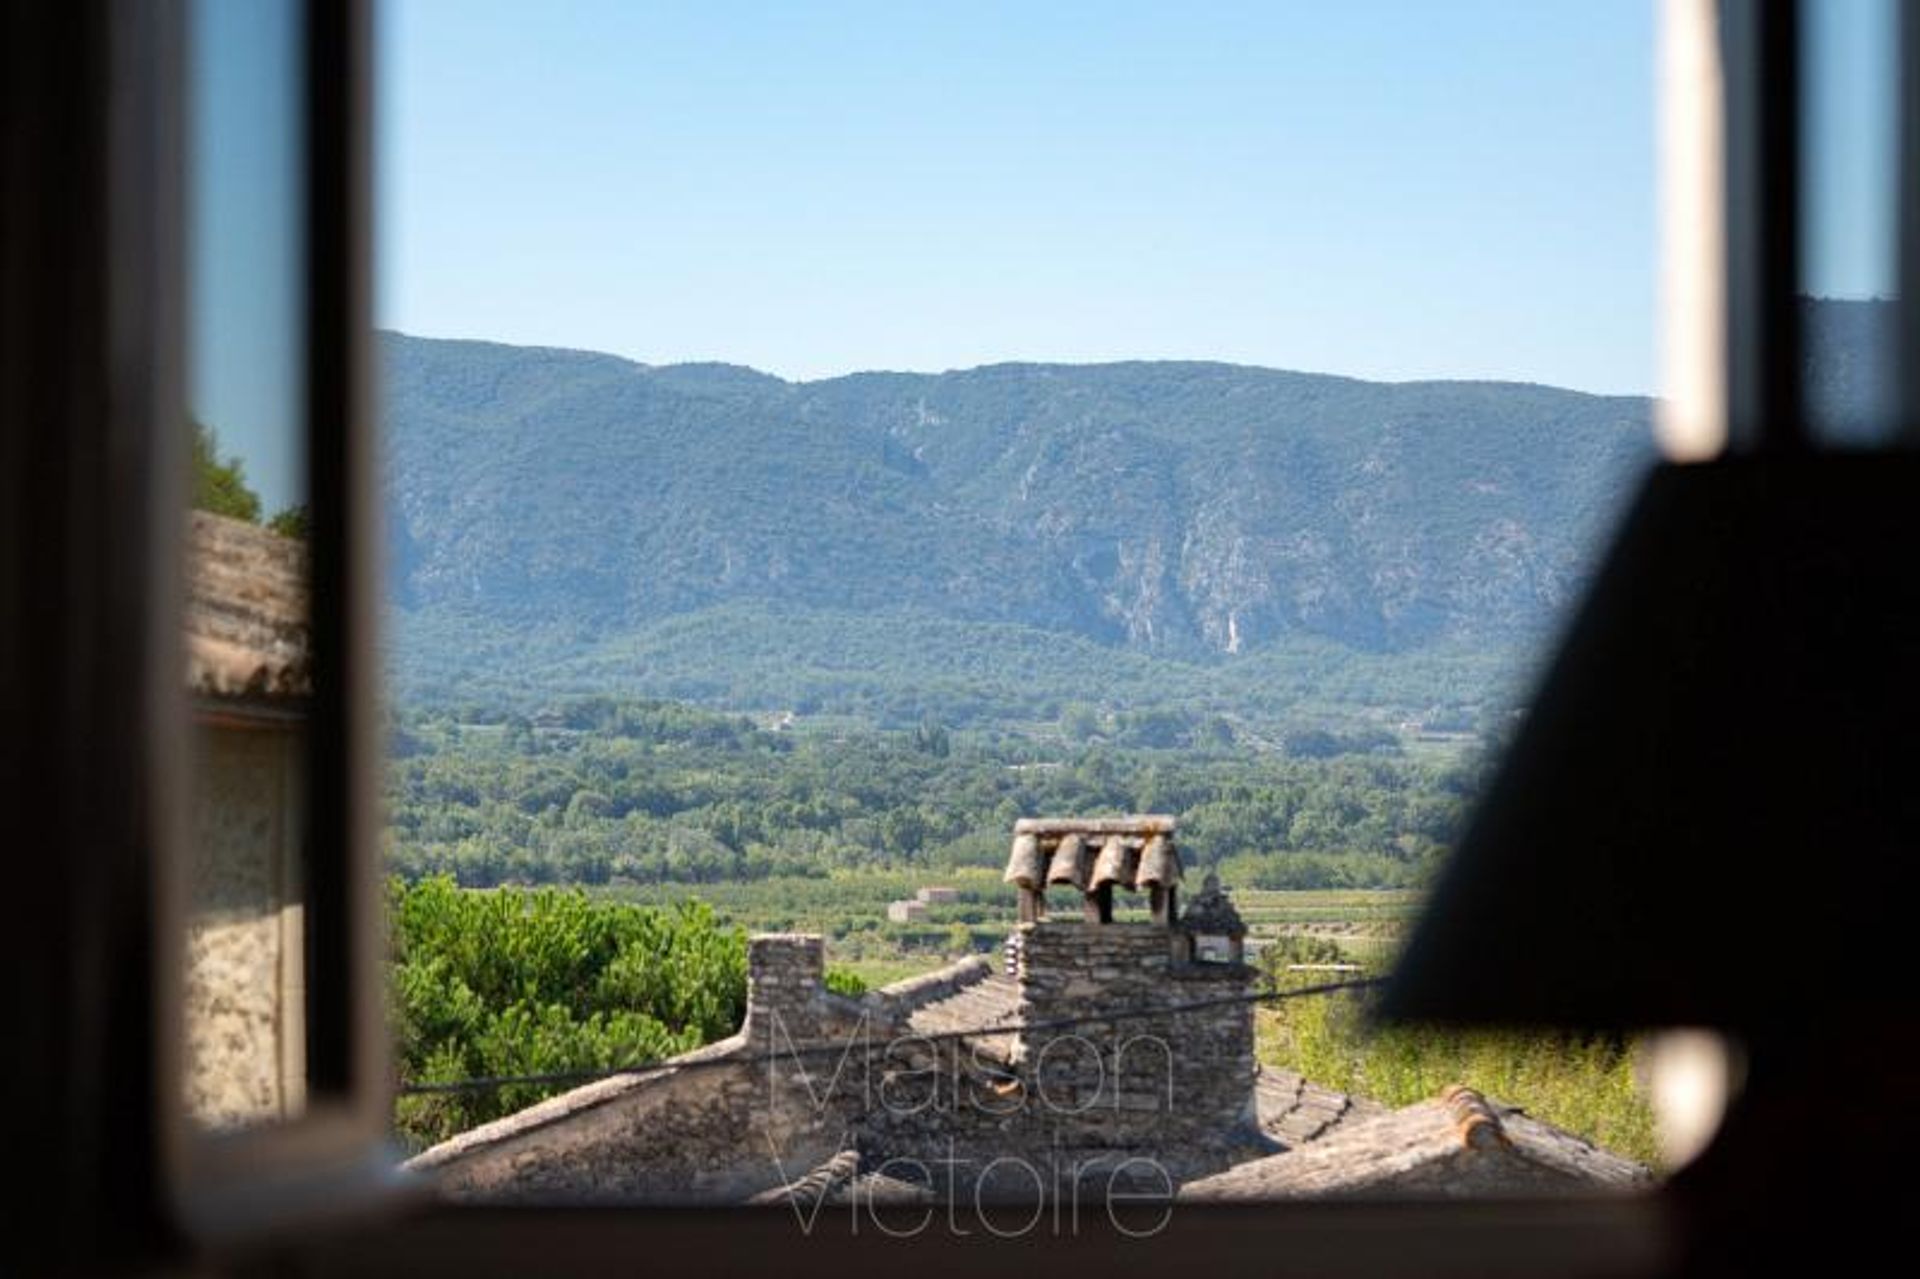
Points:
(248, 675)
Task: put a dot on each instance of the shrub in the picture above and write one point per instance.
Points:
(504, 982)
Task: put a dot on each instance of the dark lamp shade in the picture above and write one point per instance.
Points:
(1710, 813)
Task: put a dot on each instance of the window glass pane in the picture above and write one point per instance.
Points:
(250, 666)
(1850, 124)
(819, 443)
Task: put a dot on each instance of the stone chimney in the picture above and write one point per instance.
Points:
(1129, 1038)
(786, 975)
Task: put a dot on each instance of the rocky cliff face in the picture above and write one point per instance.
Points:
(1177, 508)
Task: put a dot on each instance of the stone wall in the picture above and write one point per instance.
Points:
(732, 1119)
(705, 1128)
(245, 997)
(1175, 1072)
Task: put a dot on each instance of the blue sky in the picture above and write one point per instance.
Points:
(245, 244)
(1848, 118)
(1392, 190)
(1384, 188)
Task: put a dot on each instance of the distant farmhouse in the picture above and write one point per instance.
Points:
(1112, 1053)
(914, 909)
(249, 677)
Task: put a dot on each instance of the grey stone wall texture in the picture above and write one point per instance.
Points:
(244, 1056)
(1180, 1076)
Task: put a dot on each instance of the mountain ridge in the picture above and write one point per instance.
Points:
(385, 335)
(1193, 510)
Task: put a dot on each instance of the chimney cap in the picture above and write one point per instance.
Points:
(1134, 852)
(1133, 824)
(1211, 912)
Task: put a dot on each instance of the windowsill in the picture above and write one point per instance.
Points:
(1626, 1236)
(245, 1203)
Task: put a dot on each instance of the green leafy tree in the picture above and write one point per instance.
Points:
(220, 483)
(844, 981)
(504, 983)
(930, 738)
(291, 522)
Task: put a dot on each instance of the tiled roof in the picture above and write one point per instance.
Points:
(992, 1000)
(847, 1178)
(1293, 1111)
(829, 1179)
(1455, 1145)
(247, 632)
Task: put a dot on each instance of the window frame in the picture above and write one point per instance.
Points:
(231, 1197)
(334, 1155)
(341, 1145)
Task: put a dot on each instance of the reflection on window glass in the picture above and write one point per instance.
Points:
(249, 664)
(1850, 118)
(967, 581)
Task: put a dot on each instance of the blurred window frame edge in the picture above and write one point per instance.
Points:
(331, 1160)
(286, 1189)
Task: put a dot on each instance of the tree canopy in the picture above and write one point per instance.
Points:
(220, 487)
(220, 483)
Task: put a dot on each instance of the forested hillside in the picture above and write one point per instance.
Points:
(571, 520)
(605, 791)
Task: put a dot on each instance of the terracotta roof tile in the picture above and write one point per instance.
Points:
(1457, 1144)
(247, 631)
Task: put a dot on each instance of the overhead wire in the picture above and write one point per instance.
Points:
(678, 1063)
